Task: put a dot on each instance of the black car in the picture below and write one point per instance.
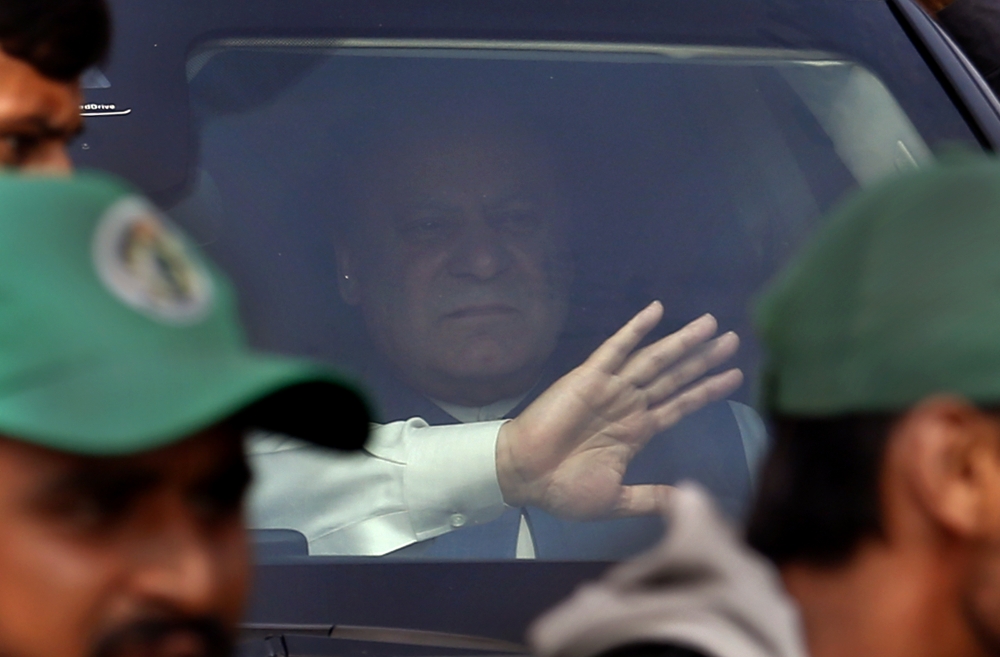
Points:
(455, 202)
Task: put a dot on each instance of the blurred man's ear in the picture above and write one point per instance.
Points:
(948, 455)
(347, 274)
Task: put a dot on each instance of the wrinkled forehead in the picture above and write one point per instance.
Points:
(455, 159)
(496, 146)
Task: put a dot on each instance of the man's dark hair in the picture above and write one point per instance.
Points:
(59, 38)
(819, 494)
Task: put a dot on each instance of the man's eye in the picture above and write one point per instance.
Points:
(218, 504)
(89, 513)
(221, 497)
(427, 228)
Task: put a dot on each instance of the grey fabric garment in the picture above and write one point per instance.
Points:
(701, 588)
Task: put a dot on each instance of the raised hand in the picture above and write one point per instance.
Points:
(568, 451)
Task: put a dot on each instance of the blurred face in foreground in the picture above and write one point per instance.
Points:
(38, 118)
(461, 267)
(930, 584)
(122, 556)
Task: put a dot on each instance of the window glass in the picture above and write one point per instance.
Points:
(460, 224)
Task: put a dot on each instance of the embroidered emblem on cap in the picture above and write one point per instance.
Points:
(144, 261)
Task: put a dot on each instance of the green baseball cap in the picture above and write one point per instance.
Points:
(117, 336)
(896, 299)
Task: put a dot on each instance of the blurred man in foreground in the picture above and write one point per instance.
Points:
(125, 389)
(880, 502)
(45, 45)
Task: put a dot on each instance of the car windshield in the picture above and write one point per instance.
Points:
(455, 203)
(458, 224)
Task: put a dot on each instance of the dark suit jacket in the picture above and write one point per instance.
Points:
(706, 446)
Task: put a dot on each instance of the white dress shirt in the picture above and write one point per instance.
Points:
(412, 482)
(525, 548)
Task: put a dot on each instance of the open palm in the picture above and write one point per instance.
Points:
(569, 450)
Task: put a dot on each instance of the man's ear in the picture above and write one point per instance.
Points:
(347, 274)
(949, 451)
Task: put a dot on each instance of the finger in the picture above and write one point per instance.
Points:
(642, 500)
(648, 362)
(707, 390)
(710, 355)
(610, 355)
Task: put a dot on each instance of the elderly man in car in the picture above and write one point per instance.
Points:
(457, 256)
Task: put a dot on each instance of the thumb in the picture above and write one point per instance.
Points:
(642, 500)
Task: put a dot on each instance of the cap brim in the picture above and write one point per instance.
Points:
(135, 405)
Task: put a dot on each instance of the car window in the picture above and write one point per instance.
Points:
(458, 224)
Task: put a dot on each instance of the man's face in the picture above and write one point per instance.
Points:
(113, 557)
(38, 118)
(463, 272)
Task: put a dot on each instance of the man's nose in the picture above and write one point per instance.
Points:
(480, 253)
(177, 566)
